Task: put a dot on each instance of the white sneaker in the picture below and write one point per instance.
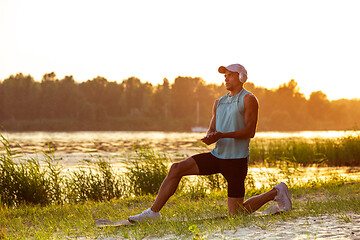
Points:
(272, 210)
(147, 215)
(282, 197)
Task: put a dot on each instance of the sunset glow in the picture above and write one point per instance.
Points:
(314, 42)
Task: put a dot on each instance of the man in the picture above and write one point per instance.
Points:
(232, 125)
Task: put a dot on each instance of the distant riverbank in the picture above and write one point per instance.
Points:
(332, 147)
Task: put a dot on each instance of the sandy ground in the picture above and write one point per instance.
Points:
(321, 227)
(324, 227)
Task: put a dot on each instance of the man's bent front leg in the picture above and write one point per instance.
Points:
(171, 182)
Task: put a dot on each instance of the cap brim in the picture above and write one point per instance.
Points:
(222, 69)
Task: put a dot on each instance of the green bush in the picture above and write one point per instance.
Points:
(97, 183)
(26, 181)
(23, 181)
(147, 172)
(333, 152)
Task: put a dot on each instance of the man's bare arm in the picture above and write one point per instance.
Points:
(212, 127)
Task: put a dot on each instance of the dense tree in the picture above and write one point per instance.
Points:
(161, 100)
(183, 93)
(279, 106)
(97, 104)
(68, 98)
(136, 96)
(112, 99)
(19, 97)
(318, 105)
(48, 96)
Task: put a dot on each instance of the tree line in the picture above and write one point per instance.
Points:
(54, 104)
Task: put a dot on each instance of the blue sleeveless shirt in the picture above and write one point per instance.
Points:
(230, 118)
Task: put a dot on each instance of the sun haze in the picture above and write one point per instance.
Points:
(314, 42)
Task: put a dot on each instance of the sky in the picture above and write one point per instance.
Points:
(314, 42)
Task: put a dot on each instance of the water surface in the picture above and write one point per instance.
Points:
(71, 148)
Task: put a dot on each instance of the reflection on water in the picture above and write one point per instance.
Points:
(80, 142)
(308, 134)
(72, 147)
(117, 147)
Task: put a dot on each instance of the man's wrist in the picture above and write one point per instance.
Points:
(227, 135)
(221, 135)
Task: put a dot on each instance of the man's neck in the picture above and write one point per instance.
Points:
(236, 91)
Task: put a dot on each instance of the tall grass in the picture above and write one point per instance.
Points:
(96, 182)
(28, 181)
(147, 172)
(25, 180)
(331, 152)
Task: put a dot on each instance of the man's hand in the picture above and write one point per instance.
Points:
(212, 137)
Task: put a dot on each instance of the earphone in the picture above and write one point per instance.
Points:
(241, 78)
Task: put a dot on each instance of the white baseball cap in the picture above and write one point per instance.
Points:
(235, 68)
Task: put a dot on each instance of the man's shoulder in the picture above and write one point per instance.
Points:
(250, 99)
(247, 92)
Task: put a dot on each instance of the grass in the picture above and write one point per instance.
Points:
(331, 152)
(56, 221)
(148, 171)
(27, 181)
(41, 202)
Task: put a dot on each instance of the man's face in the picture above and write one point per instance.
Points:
(231, 80)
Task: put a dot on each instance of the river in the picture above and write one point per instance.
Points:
(74, 146)
(71, 148)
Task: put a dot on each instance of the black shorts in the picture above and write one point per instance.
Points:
(233, 170)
